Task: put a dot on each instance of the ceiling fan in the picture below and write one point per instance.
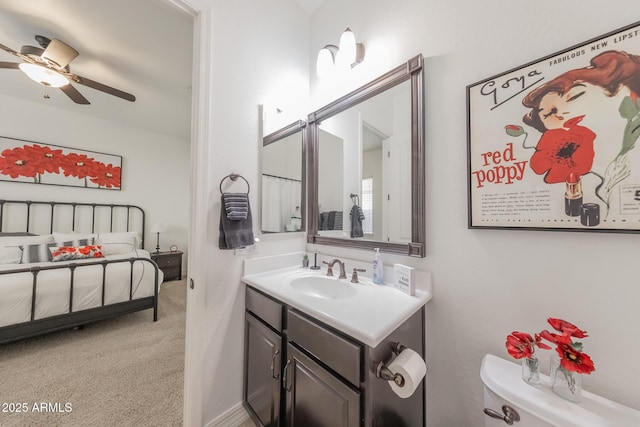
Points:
(49, 66)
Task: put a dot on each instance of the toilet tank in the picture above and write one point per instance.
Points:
(538, 406)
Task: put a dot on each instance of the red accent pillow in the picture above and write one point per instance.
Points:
(66, 253)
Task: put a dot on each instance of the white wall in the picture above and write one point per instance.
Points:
(155, 167)
(265, 62)
(488, 283)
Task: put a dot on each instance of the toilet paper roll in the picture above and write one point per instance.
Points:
(410, 365)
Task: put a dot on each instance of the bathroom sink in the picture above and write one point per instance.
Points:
(322, 287)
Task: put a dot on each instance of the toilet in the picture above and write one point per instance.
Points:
(507, 395)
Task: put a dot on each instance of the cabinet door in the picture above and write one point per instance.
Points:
(315, 397)
(263, 358)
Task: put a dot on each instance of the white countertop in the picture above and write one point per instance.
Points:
(369, 316)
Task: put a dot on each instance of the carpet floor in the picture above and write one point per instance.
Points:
(126, 371)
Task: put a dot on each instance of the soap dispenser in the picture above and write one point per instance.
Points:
(378, 269)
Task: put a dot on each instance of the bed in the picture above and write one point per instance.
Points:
(66, 264)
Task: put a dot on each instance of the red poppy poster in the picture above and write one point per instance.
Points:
(552, 144)
(27, 161)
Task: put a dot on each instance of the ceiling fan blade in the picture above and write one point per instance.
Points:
(59, 53)
(73, 93)
(102, 87)
(8, 49)
(9, 65)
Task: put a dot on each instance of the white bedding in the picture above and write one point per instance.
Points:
(52, 295)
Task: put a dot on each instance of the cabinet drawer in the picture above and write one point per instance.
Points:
(168, 261)
(170, 273)
(265, 308)
(339, 354)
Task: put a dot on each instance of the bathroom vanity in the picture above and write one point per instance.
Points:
(312, 346)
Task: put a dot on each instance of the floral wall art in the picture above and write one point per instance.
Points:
(552, 144)
(32, 162)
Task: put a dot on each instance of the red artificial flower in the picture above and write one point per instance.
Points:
(563, 151)
(568, 329)
(539, 342)
(107, 175)
(17, 162)
(574, 361)
(79, 165)
(555, 338)
(45, 159)
(519, 345)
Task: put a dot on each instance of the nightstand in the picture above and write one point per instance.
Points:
(170, 263)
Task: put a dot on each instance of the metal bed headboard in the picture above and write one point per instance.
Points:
(109, 213)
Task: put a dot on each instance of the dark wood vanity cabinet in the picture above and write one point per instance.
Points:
(315, 397)
(263, 355)
(263, 358)
(300, 372)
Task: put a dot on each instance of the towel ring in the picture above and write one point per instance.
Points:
(234, 177)
(357, 201)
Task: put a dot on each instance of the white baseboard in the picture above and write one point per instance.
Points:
(233, 417)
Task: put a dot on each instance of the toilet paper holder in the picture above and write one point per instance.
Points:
(384, 373)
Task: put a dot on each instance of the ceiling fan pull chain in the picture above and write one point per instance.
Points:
(46, 93)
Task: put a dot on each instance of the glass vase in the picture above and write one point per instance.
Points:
(531, 370)
(564, 383)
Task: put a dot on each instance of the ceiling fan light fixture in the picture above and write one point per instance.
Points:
(43, 75)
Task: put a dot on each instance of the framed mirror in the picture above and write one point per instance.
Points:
(367, 166)
(283, 179)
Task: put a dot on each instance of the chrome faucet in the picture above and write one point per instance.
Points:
(343, 274)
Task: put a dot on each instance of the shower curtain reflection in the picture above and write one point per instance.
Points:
(280, 204)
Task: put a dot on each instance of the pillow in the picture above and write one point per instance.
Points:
(41, 253)
(70, 237)
(66, 253)
(137, 241)
(25, 240)
(10, 255)
(16, 233)
(35, 253)
(79, 242)
(116, 243)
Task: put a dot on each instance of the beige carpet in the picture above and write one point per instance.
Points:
(126, 371)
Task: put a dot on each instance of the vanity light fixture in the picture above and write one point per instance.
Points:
(326, 60)
(43, 75)
(347, 55)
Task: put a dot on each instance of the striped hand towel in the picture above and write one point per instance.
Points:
(236, 205)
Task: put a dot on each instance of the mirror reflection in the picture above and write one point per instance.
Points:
(282, 180)
(364, 169)
(367, 166)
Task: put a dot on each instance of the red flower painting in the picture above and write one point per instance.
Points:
(18, 162)
(44, 158)
(107, 176)
(35, 161)
(563, 151)
(79, 165)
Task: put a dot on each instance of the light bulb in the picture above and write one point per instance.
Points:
(43, 75)
(324, 63)
(347, 50)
